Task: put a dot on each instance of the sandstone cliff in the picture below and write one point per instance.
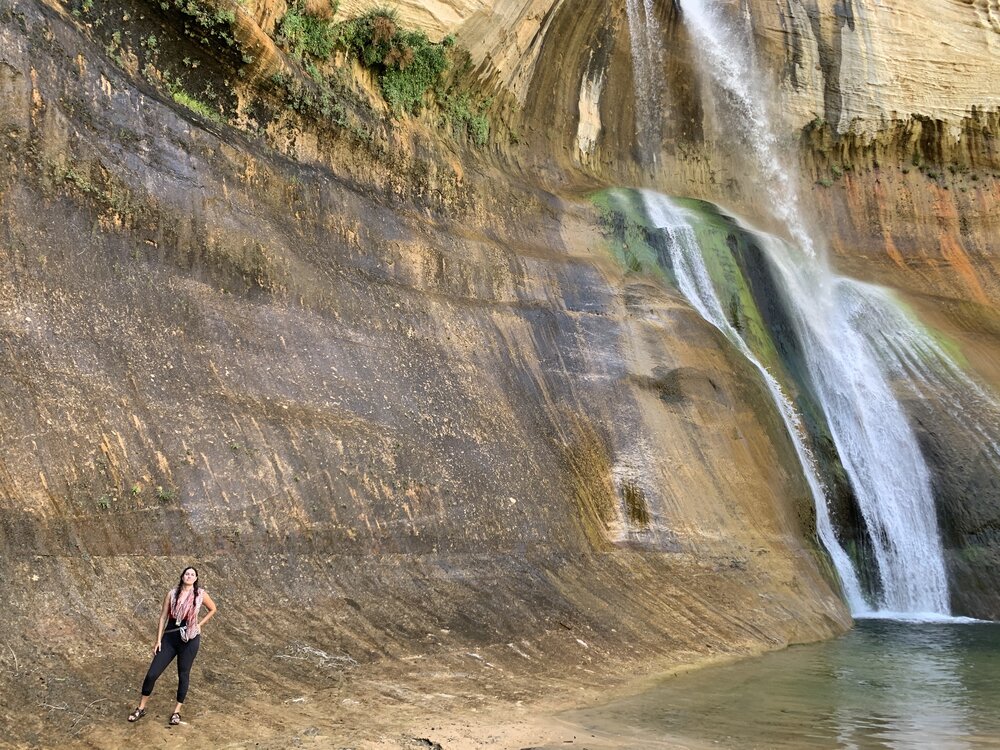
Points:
(423, 436)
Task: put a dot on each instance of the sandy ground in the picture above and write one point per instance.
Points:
(397, 727)
(432, 708)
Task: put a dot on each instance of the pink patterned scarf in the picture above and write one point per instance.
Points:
(185, 610)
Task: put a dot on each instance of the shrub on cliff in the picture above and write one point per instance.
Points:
(406, 63)
(466, 115)
(306, 34)
(206, 20)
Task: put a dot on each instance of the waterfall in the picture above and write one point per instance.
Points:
(837, 322)
(647, 62)
(727, 58)
(853, 339)
(834, 319)
(696, 285)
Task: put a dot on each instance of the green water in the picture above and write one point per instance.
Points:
(883, 685)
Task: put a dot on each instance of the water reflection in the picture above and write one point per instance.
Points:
(883, 685)
(897, 689)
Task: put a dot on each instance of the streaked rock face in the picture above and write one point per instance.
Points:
(857, 64)
(388, 399)
(862, 63)
(401, 382)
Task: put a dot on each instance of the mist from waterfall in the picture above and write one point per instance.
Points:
(923, 369)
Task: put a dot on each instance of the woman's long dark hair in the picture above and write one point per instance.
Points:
(180, 583)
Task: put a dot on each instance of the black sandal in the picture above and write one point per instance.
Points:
(137, 714)
(175, 718)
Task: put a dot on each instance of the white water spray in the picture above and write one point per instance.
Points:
(841, 325)
(848, 364)
(834, 319)
(922, 368)
(727, 57)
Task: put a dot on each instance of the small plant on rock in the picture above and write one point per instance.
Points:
(464, 115)
(306, 35)
(195, 105)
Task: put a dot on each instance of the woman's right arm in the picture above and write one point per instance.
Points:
(164, 611)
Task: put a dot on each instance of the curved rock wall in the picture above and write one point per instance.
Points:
(400, 382)
(390, 399)
(889, 111)
(861, 63)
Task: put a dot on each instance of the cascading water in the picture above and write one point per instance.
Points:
(845, 369)
(696, 285)
(874, 440)
(728, 60)
(647, 62)
(835, 320)
(924, 370)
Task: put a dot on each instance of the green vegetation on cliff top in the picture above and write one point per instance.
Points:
(305, 35)
(406, 64)
(203, 69)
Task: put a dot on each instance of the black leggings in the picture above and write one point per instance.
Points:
(172, 646)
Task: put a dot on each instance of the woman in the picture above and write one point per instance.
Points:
(182, 638)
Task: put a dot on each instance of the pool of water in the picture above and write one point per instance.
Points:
(885, 684)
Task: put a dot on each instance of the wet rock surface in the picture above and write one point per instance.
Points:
(407, 438)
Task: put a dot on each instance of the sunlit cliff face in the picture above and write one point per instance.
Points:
(401, 380)
(893, 139)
